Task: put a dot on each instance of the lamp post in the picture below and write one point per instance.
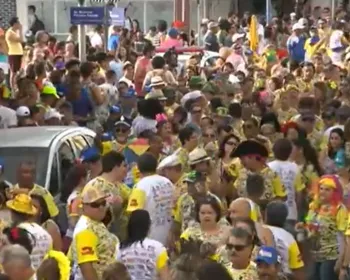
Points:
(81, 35)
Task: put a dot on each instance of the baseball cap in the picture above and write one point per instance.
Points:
(50, 90)
(122, 121)
(92, 192)
(212, 24)
(297, 26)
(268, 255)
(115, 109)
(23, 111)
(52, 113)
(90, 154)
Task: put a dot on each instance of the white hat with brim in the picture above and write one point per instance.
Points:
(237, 36)
(156, 94)
(157, 81)
(190, 96)
(297, 26)
(169, 161)
(212, 24)
(198, 155)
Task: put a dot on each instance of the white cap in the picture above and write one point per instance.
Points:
(293, 14)
(23, 111)
(169, 161)
(297, 26)
(205, 21)
(212, 24)
(190, 96)
(237, 36)
(303, 21)
(52, 113)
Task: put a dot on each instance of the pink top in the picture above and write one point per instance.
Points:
(235, 60)
(169, 43)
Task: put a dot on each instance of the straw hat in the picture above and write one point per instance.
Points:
(22, 203)
(198, 155)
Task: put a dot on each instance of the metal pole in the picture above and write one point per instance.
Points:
(268, 10)
(333, 10)
(82, 39)
(105, 45)
(199, 22)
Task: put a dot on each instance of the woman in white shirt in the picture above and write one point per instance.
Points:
(145, 258)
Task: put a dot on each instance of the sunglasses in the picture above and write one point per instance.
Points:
(121, 130)
(236, 247)
(248, 126)
(209, 135)
(307, 119)
(98, 204)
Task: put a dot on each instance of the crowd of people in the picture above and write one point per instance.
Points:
(237, 170)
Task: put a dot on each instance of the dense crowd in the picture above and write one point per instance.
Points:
(236, 168)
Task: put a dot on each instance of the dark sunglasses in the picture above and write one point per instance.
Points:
(209, 135)
(308, 119)
(98, 204)
(235, 247)
(121, 130)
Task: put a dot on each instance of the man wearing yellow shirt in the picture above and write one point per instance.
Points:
(93, 247)
(253, 155)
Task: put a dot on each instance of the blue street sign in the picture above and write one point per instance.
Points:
(86, 15)
(116, 16)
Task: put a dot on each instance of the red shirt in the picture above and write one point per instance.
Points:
(170, 42)
(143, 65)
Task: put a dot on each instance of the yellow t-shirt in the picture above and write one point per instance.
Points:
(14, 48)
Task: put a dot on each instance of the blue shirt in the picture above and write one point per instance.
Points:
(295, 46)
(113, 42)
(82, 107)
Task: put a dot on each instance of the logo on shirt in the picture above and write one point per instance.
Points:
(87, 251)
(133, 203)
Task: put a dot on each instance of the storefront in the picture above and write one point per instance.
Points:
(56, 13)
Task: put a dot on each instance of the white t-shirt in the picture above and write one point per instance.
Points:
(335, 39)
(143, 260)
(42, 245)
(96, 40)
(287, 248)
(155, 194)
(288, 172)
(8, 117)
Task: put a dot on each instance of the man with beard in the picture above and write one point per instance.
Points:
(268, 264)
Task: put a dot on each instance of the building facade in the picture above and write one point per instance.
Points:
(8, 10)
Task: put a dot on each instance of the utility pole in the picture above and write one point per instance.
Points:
(82, 38)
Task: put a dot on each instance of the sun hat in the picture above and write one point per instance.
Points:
(157, 81)
(92, 192)
(23, 111)
(297, 26)
(156, 94)
(237, 36)
(22, 203)
(212, 24)
(169, 161)
(198, 155)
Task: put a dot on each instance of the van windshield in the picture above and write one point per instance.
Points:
(13, 156)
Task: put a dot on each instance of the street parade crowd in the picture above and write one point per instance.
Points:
(235, 168)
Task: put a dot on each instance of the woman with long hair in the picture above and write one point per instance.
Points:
(43, 218)
(145, 258)
(336, 151)
(164, 130)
